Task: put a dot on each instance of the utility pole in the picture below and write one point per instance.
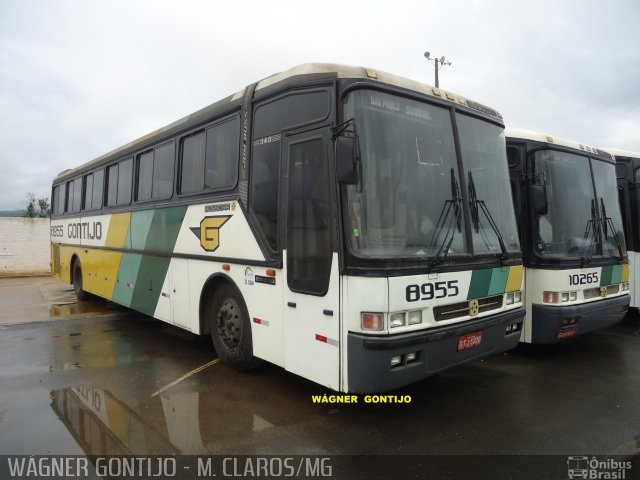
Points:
(439, 63)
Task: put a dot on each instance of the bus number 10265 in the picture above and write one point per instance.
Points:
(428, 291)
(583, 278)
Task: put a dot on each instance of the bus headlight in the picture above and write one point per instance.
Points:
(397, 320)
(415, 317)
(517, 297)
(372, 321)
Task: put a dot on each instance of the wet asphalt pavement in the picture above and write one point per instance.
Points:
(97, 379)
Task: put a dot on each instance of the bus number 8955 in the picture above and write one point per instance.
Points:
(428, 291)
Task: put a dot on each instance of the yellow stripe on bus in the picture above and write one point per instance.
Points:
(625, 273)
(514, 281)
(118, 229)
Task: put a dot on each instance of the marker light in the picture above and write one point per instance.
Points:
(372, 321)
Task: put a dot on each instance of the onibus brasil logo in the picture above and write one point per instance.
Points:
(597, 469)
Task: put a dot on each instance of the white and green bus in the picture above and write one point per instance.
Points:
(574, 250)
(628, 174)
(346, 224)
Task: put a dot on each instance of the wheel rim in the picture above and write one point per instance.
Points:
(230, 323)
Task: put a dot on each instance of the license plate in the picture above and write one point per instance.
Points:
(567, 332)
(469, 340)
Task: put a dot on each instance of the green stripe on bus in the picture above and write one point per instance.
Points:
(480, 282)
(127, 277)
(151, 275)
(616, 274)
(163, 233)
(139, 229)
(164, 229)
(499, 278)
(605, 275)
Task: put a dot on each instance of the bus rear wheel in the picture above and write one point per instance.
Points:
(76, 277)
(231, 329)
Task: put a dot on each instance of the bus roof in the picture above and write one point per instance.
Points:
(618, 152)
(551, 139)
(308, 69)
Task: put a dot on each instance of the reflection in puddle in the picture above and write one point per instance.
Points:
(166, 424)
(103, 425)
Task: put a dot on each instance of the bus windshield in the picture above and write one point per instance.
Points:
(411, 200)
(611, 219)
(576, 223)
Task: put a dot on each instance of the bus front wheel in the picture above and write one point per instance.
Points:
(231, 329)
(76, 277)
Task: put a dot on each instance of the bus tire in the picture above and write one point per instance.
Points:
(231, 329)
(76, 278)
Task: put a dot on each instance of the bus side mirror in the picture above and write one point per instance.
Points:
(539, 198)
(347, 160)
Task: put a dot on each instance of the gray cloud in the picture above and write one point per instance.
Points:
(78, 79)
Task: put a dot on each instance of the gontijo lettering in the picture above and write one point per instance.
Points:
(85, 230)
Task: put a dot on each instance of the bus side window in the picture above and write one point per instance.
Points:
(292, 110)
(265, 180)
(124, 182)
(74, 192)
(112, 184)
(92, 197)
(87, 197)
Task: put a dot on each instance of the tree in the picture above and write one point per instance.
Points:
(43, 210)
(31, 206)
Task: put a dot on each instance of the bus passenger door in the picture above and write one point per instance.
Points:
(312, 315)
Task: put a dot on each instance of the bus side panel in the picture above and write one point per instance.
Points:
(263, 300)
(358, 294)
(126, 281)
(217, 230)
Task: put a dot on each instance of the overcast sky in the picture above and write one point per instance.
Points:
(79, 78)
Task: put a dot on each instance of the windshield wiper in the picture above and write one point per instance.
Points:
(607, 222)
(593, 224)
(476, 206)
(454, 222)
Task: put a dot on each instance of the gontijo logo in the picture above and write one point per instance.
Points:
(209, 231)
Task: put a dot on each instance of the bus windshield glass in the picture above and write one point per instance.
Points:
(574, 224)
(410, 203)
(485, 164)
(604, 174)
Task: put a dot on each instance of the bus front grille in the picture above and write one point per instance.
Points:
(456, 310)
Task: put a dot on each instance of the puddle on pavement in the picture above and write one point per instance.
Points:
(58, 310)
(181, 423)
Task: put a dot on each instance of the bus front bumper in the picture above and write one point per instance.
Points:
(551, 324)
(370, 358)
